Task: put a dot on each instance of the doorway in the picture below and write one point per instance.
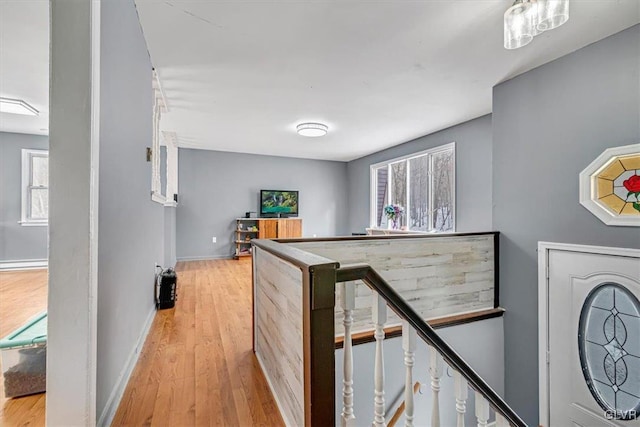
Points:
(589, 331)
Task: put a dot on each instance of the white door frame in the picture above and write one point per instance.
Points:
(543, 310)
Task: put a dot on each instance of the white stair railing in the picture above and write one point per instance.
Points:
(435, 371)
(462, 391)
(379, 317)
(409, 347)
(501, 421)
(482, 410)
(348, 302)
(439, 353)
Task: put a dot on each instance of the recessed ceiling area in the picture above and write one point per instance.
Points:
(24, 63)
(240, 76)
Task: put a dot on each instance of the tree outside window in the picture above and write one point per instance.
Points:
(423, 183)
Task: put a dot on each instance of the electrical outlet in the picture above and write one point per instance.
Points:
(214, 239)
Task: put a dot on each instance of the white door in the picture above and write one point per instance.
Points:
(592, 337)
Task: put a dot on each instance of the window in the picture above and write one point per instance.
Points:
(164, 153)
(35, 187)
(423, 184)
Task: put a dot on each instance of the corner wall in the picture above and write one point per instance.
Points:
(548, 125)
(217, 187)
(18, 243)
(473, 174)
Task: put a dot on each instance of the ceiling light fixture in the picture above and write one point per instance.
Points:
(312, 129)
(528, 18)
(16, 106)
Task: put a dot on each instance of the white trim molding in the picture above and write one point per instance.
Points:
(543, 310)
(32, 264)
(589, 197)
(158, 108)
(171, 141)
(373, 197)
(27, 185)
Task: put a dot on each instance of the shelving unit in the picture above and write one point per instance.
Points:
(263, 228)
(246, 230)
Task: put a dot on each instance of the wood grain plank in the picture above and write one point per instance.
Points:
(438, 276)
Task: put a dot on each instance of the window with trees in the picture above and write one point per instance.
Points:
(423, 184)
(35, 187)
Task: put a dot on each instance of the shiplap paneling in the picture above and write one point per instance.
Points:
(278, 332)
(438, 276)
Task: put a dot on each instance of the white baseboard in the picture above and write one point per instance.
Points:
(111, 407)
(204, 258)
(23, 264)
(287, 422)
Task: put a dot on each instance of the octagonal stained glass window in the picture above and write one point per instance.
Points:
(610, 186)
(609, 348)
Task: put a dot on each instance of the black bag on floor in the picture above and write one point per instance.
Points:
(166, 289)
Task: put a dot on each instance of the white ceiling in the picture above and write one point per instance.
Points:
(24, 62)
(239, 75)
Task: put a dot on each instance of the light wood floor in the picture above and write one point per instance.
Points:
(197, 367)
(23, 294)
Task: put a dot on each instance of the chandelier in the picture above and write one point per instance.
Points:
(528, 18)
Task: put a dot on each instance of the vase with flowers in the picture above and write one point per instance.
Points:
(394, 214)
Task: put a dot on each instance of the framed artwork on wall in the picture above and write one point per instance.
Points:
(610, 186)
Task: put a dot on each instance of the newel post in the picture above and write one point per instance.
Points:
(318, 300)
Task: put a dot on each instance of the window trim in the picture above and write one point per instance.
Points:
(168, 140)
(25, 187)
(431, 151)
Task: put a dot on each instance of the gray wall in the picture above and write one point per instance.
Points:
(549, 124)
(17, 242)
(216, 187)
(131, 226)
(472, 341)
(473, 174)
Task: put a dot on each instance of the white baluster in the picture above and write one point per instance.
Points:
(379, 317)
(482, 410)
(460, 386)
(409, 347)
(501, 421)
(348, 301)
(435, 370)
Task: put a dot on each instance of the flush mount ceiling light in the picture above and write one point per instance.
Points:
(16, 106)
(528, 18)
(312, 129)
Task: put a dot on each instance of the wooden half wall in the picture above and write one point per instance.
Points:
(438, 275)
(293, 336)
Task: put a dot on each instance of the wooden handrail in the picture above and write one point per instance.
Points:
(402, 308)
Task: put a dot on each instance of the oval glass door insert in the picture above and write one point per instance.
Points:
(609, 348)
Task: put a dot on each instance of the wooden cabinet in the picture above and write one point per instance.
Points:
(263, 228)
(279, 228)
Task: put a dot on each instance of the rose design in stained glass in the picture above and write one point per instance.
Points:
(609, 348)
